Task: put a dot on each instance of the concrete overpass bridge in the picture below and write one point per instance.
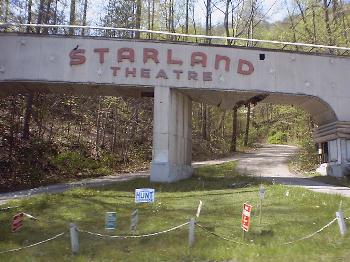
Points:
(177, 74)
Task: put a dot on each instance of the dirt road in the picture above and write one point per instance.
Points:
(269, 161)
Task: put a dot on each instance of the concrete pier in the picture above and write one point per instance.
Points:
(172, 136)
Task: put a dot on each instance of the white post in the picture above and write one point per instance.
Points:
(191, 232)
(74, 238)
(341, 222)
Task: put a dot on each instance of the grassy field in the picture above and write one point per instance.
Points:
(288, 214)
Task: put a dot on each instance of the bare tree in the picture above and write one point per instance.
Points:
(29, 14)
(138, 18)
(233, 147)
(84, 15)
(327, 22)
(72, 16)
(246, 134)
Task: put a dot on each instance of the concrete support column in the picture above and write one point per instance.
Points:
(172, 136)
(335, 137)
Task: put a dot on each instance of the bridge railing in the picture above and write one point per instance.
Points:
(130, 33)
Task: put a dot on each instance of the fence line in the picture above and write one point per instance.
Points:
(219, 236)
(133, 236)
(166, 231)
(286, 243)
(33, 245)
(312, 234)
(8, 208)
(283, 43)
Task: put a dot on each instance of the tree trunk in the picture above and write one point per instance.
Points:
(234, 130)
(51, 128)
(40, 15)
(186, 19)
(314, 25)
(114, 141)
(29, 15)
(12, 130)
(228, 42)
(327, 23)
(223, 124)
(138, 18)
(7, 11)
(335, 11)
(246, 135)
(98, 126)
(152, 22)
(55, 17)
(194, 23)
(208, 123)
(149, 17)
(27, 116)
(84, 16)
(208, 20)
(72, 16)
(204, 122)
(344, 24)
(47, 16)
(303, 16)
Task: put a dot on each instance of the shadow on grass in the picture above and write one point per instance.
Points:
(337, 181)
(317, 181)
(206, 178)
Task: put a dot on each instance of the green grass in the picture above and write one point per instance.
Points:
(284, 219)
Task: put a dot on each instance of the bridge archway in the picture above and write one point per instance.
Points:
(176, 74)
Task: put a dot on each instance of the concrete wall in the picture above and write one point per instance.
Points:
(49, 59)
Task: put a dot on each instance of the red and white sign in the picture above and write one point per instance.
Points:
(247, 209)
(17, 222)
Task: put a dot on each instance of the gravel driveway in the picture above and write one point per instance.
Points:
(271, 163)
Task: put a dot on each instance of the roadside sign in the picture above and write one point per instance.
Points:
(144, 195)
(134, 220)
(17, 222)
(247, 209)
(261, 192)
(111, 220)
(199, 208)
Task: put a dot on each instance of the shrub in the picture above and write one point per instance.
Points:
(278, 138)
(74, 162)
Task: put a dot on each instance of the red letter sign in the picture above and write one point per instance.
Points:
(77, 57)
(17, 222)
(245, 67)
(246, 216)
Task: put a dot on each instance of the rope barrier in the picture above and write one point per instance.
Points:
(286, 243)
(175, 34)
(218, 236)
(33, 245)
(133, 236)
(8, 208)
(312, 234)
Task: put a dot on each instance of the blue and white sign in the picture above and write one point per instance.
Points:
(111, 220)
(144, 195)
